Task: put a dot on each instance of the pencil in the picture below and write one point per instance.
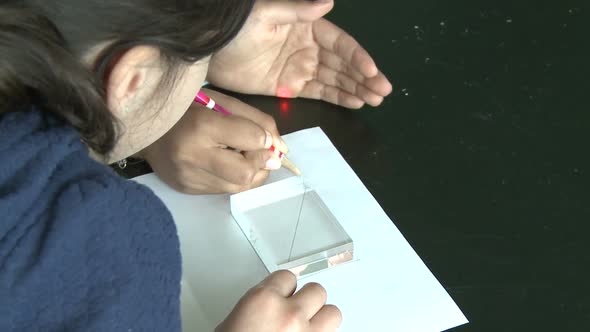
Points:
(288, 164)
(206, 101)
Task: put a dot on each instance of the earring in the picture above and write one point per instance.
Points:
(122, 163)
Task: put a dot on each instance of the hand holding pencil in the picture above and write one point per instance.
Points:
(208, 102)
(194, 158)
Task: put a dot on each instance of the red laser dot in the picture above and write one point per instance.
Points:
(284, 92)
(284, 106)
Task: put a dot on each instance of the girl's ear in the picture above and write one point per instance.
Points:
(128, 76)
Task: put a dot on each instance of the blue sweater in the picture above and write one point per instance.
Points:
(81, 249)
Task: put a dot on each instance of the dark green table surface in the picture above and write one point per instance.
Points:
(480, 155)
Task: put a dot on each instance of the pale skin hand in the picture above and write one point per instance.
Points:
(272, 307)
(193, 157)
(286, 49)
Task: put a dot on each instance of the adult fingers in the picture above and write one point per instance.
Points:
(332, 60)
(289, 12)
(318, 90)
(379, 84)
(339, 80)
(336, 40)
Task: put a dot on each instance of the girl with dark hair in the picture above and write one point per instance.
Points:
(285, 49)
(87, 83)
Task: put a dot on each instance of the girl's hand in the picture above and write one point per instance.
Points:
(286, 49)
(198, 155)
(272, 307)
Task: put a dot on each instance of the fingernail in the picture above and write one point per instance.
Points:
(285, 148)
(273, 164)
(268, 140)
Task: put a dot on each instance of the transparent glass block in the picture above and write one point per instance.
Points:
(291, 228)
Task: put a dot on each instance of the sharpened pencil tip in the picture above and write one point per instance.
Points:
(288, 164)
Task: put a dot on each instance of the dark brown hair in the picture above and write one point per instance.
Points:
(42, 43)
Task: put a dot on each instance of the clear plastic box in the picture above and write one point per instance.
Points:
(291, 228)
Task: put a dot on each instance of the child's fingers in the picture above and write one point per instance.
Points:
(283, 282)
(311, 298)
(237, 132)
(246, 111)
(263, 159)
(327, 319)
(234, 167)
(200, 181)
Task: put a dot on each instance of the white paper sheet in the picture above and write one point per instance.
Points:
(388, 289)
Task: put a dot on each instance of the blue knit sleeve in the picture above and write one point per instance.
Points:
(103, 255)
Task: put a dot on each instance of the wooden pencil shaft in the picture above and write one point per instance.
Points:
(288, 164)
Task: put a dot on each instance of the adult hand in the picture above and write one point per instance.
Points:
(207, 152)
(286, 49)
(272, 307)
